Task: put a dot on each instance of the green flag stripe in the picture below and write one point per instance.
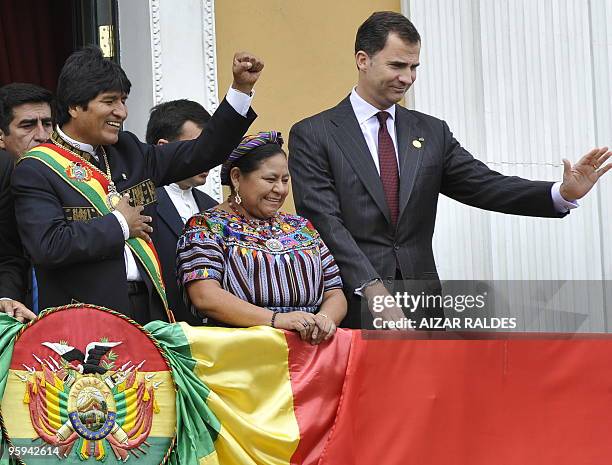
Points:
(197, 426)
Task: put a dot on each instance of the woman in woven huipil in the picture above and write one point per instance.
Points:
(244, 263)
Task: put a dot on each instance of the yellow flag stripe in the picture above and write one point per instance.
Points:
(65, 163)
(261, 392)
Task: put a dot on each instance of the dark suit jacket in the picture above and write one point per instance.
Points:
(83, 260)
(336, 185)
(13, 264)
(165, 236)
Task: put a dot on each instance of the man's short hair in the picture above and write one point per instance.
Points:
(167, 119)
(19, 93)
(372, 34)
(86, 74)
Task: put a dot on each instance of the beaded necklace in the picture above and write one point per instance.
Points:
(266, 228)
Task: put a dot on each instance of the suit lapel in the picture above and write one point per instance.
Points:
(168, 213)
(410, 157)
(349, 137)
(203, 201)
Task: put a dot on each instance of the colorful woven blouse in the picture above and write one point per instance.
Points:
(282, 264)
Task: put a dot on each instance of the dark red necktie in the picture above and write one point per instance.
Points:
(387, 160)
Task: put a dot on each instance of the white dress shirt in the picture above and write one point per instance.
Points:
(183, 201)
(368, 122)
(240, 101)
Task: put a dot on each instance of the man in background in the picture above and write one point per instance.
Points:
(25, 117)
(177, 202)
(25, 121)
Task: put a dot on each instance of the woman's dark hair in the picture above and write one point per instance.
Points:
(84, 76)
(252, 161)
(372, 34)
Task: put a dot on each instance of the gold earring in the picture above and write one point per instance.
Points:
(237, 197)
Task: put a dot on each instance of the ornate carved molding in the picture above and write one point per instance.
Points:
(210, 52)
(209, 47)
(156, 52)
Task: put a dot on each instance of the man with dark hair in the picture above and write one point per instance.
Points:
(177, 202)
(84, 203)
(368, 173)
(25, 117)
(25, 121)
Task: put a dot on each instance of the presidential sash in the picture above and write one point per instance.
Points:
(93, 185)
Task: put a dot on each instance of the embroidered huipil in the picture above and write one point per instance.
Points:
(239, 255)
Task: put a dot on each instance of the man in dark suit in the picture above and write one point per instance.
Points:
(13, 265)
(177, 202)
(368, 173)
(85, 202)
(25, 121)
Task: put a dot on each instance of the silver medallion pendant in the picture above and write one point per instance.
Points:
(274, 245)
(112, 199)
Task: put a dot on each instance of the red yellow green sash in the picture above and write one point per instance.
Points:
(92, 185)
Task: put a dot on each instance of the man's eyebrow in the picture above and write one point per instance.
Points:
(25, 122)
(403, 63)
(29, 121)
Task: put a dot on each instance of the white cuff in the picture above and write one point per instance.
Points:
(123, 223)
(561, 205)
(360, 290)
(5, 298)
(239, 101)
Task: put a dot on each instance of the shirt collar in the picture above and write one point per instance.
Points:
(365, 110)
(177, 189)
(76, 144)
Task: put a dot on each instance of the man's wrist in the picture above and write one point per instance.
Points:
(239, 101)
(125, 229)
(360, 291)
(244, 88)
(561, 203)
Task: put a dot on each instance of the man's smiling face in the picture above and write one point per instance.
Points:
(99, 122)
(387, 75)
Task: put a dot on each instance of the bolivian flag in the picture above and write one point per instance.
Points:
(262, 396)
(233, 396)
(275, 397)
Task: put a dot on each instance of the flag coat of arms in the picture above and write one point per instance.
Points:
(88, 384)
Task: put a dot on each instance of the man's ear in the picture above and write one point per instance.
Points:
(162, 141)
(74, 110)
(2, 143)
(362, 60)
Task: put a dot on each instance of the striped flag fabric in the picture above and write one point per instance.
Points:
(262, 396)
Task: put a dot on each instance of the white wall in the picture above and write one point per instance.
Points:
(522, 84)
(168, 52)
